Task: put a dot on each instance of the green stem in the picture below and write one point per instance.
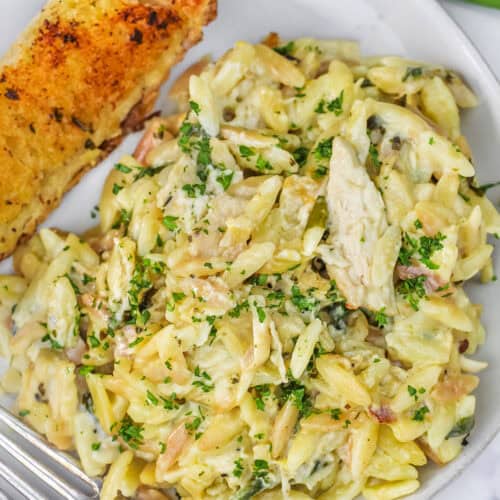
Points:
(486, 3)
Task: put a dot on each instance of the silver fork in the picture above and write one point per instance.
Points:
(59, 474)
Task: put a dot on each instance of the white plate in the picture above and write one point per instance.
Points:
(414, 28)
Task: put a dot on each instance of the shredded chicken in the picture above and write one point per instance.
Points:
(358, 233)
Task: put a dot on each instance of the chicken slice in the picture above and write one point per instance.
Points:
(363, 248)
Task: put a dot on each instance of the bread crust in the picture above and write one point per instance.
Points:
(81, 76)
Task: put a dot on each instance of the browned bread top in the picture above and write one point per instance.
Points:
(67, 87)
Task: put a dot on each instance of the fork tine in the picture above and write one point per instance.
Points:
(19, 484)
(43, 473)
(63, 460)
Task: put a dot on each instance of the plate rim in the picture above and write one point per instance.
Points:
(487, 75)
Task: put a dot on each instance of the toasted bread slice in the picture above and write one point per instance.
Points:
(84, 73)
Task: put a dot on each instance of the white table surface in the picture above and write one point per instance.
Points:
(481, 480)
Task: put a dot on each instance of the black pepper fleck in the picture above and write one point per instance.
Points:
(80, 124)
(136, 36)
(89, 144)
(69, 38)
(57, 114)
(396, 143)
(12, 94)
(153, 17)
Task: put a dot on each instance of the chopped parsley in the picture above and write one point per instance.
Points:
(193, 138)
(380, 318)
(123, 168)
(159, 242)
(296, 393)
(481, 190)
(170, 403)
(323, 150)
(302, 302)
(24, 413)
(260, 468)
(186, 131)
(258, 279)
(139, 284)
(213, 329)
(320, 171)
(87, 279)
(131, 433)
(412, 73)
(86, 369)
(225, 179)
(195, 107)
(178, 296)
(246, 152)
(464, 197)
(373, 155)
(194, 190)
(408, 248)
(236, 310)
(412, 392)
(419, 414)
(72, 283)
(300, 155)
(148, 171)
(95, 446)
(194, 424)
(203, 380)
(275, 299)
(203, 158)
(462, 427)
(261, 314)
(425, 247)
(335, 413)
(334, 106)
(151, 398)
(413, 290)
(93, 341)
(170, 222)
(124, 217)
(262, 164)
(141, 172)
(429, 245)
(238, 468)
(137, 341)
(262, 392)
(54, 344)
(286, 50)
(116, 188)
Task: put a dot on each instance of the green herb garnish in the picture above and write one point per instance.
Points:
(195, 107)
(412, 73)
(462, 427)
(238, 468)
(413, 290)
(286, 50)
(131, 433)
(419, 414)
